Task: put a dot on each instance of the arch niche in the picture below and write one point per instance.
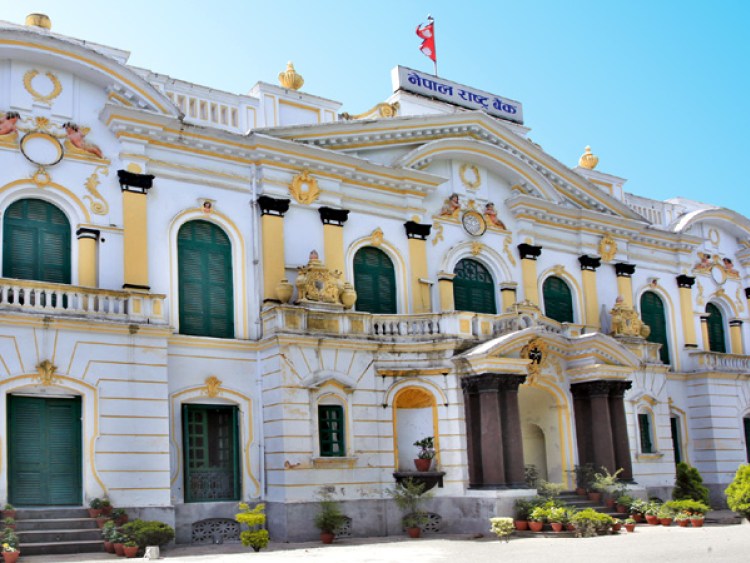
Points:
(542, 432)
(414, 418)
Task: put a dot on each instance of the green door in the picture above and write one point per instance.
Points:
(652, 313)
(473, 288)
(44, 451)
(375, 282)
(211, 446)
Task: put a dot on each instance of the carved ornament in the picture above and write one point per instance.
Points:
(626, 322)
(470, 176)
(476, 248)
(213, 386)
(536, 351)
(437, 235)
(376, 238)
(46, 371)
(28, 80)
(316, 283)
(304, 188)
(607, 248)
(97, 203)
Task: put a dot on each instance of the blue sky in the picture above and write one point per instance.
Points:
(658, 89)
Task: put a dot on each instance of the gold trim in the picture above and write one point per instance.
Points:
(97, 207)
(304, 188)
(607, 248)
(47, 371)
(38, 97)
(470, 184)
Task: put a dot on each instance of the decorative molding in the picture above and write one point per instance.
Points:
(529, 251)
(471, 184)
(684, 280)
(589, 262)
(213, 386)
(535, 351)
(100, 207)
(331, 216)
(439, 235)
(417, 231)
(136, 183)
(607, 248)
(376, 237)
(47, 99)
(273, 206)
(476, 248)
(624, 270)
(46, 374)
(304, 188)
(506, 248)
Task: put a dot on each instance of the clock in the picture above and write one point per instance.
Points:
(474, 223)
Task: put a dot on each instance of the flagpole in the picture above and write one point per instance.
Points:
(432, 21)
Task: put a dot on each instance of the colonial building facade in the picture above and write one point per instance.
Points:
(209, 297)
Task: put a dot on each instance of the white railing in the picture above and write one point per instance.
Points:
(405, 325)
(86, 302)
(715, 361)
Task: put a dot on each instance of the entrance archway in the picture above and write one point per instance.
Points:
(535, 449)
(543, 433)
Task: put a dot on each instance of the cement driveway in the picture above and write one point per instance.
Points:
(648, 543)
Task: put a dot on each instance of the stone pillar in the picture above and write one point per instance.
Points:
(272, 232)
(508, 295)
(589, 264)
(492, 437)
(601, 425)
(582, 411)
(529, 254)
(620, 428)
(417, 234)
(624, 274)
(88, 264)
(685, 285)
(512, 438)
(704, 332)
(735, 335)
(473, 432)
(445, 289)
(333, 237)
(134, 189)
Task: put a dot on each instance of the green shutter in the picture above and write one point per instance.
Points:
(36, 242)
(644, 425)
(473, 288)
(716, 341)
(746, 421)
(674, 423)
(211, 446)
(331, 431)
(653, 314)
(44, 451)
(558, 301)
(204, 256)
(374, 281)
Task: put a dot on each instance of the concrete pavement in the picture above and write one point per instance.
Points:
(648, 543)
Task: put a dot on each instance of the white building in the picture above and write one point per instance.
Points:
(150, 351)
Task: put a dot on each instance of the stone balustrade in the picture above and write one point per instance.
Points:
(702, 362)
(69, 301)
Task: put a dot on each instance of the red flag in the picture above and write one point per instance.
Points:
(427, 34)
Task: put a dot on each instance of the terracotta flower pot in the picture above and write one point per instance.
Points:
(622, 509)
(630, 527)
(94, 512)
(665, 521)
(595, 496)
(536, 526)
(327, 537)
(556, 526)
(521, 525)
(570, 527)
(422, 464)
(610, 502)
(109, 547)
(9, 513)
(683, 523)
(101, 520)
(119, 549)
(616, 527)
(130, 552)
(652, 519)
(696, 522)
(580, 491)
(414, 532)
(637, 516)
(121, 520)
(107, 510)
(11, 556)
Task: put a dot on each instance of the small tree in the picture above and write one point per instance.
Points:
(330, 517)
(409, 496)
(689, 484)
(256, 536)
(738, 492)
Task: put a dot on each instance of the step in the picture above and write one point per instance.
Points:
(85, 546)
(46, 536)
(51, 513)
(56, 523)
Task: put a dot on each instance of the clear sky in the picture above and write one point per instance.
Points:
(658, 88)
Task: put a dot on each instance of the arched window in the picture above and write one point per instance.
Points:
(558, 301)
(676, 428)
(716, 342)
(36, 242)
(653, 314)
(374, 281)
(204, 257)
(646, 431)
(473, 289)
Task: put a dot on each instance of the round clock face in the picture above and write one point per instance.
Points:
(41, 148)
(474, 223)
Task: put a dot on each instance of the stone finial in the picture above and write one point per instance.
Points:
(39, 20)
(290, 79)
(588, 160)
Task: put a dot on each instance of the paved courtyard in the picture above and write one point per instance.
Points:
(648, 543)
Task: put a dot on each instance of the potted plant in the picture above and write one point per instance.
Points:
(682, 519)
(623, 504)
(118, 542)
(616, 525)
(330, 517)
(426, 453)
(537, 517)
(589, 522)
(10, 522)
(502, 527)
(606, 483)
(95, 507)
(9, 511)
(629, 525)
(409, 496)
(108, 533)
(569, 513)
(665, 515)
(637, 509)
(651, 511)
(106, 506)
(584, 478)
(10, 551)
(130, 548)
(696, 520)
(522, 510)
(556, 517)
(256, 536)
(119, 516)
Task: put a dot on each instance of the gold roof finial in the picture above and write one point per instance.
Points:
(290, 79)
(39, 20)
(588, 160)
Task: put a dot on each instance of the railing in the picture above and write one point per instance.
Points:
(405, 325)
(714, 361)
(83, 302)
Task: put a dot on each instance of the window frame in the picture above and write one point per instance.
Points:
(714, 327)
(570, 297)
(357, 273)
(664, 352)
(491, 287)
(326, 440)
(648, 431)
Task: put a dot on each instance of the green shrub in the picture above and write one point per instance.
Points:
(585, 475)
(689, 484)
(689, 505)
(255, 518)
(502, 527)
(589, 522)
(330, 516)
(738, 492)
(549, 490)
(148, 532)
(523, 508)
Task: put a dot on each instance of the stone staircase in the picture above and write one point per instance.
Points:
(43, 531)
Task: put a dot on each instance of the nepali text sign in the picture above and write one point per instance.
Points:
(424, 84)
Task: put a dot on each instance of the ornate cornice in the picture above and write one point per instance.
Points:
(273, 206)
(491, 382)
(529, 251)
(624, 270)
(331, 216)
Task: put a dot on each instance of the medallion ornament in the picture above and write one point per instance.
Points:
(536, 351)
(28, 83)
(213, 386)
(474, 223)
(607, 248)
(46, 371)
(304, 188)
(470, 176)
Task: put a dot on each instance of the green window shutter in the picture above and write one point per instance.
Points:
(36, 242)
(716, 341)
(746, 421)
(674, 423)
(644, 426)
(374, 281)
(558, 301)
(473, 288)
(331, 431)
(211, 449)
(206, 293)
(653, 314)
